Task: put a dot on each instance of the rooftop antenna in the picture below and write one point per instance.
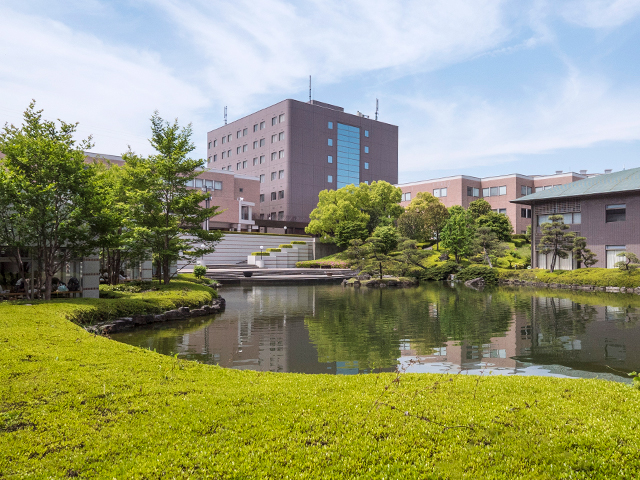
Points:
(225, 114)
(309, 88)
(376, 109)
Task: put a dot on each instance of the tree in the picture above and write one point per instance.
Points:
(414, 222)
(527, 234)
(377, 247)
(582, 254)
(478, 208)
(165, 215)
(555, 239)
(47, 192)
(436, 218)
(499, 224)
(457, 235)
(488, 244)
(628, 261)
(347, 213)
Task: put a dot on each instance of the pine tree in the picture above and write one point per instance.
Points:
(556, 240)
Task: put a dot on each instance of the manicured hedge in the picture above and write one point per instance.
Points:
(599, 277)
(298, 242)
(285, 245)
(323, 264)
(273, 250)
(490, 275)
(260, 254)
(75, 405)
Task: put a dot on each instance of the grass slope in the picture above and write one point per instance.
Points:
(73, 404)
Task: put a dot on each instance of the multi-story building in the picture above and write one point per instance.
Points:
(603, 209)
(298, 149)
(498, 191)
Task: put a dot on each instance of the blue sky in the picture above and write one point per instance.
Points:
(482, 87)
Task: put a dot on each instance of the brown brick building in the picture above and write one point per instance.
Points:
(297, 149)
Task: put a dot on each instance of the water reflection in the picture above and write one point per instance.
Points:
(433, 328)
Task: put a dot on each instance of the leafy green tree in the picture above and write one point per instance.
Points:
(487, 243)
(478, 208)
(165, 215)
(628, 261)
(46, 193)
(346, 213)
(457, 235)
(436, 218)
(555, 239)
(499, 224)
(376, 248)
(199, 271)
(414, 222)
(582, 254)
(527, 235)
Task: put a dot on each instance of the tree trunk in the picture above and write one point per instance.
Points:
(553, 262)
(47, 284)
(488, 258)
(166, 277)
(380, 266)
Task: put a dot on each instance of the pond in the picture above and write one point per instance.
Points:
(436, 328)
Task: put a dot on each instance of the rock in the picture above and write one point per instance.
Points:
(184, 310)
(142, 319)
(392, 283)
(475, 283)
(199, 312)
(364, 276)
(161, 317)
(636, 290)
(612, 289)
(173, 315)
(444, 256)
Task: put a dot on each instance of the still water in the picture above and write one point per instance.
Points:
(433, 328)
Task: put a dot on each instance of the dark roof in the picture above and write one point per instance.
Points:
(617, 182)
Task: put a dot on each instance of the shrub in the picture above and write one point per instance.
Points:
(199, 271)
(323, 264)
(490, 275)
(273, 250)
(519, 242)
(298, 242)
(260, 254)
(190, 277)
(285, 245)
(440, 272)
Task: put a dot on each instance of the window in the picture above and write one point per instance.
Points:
(281, 174)
(439, 192)
(274, 138)
(262, 142)
(229, 138)
(262, 125)
(473, 192)
(280, 215)
(262, 159)
(547, 187)
(239, 134)
(406, 197)
(255, 144)
(217, 185)
(273, 195)
(224, 168)
(262, 178)
(281, 136)
(228, 153)
(274, 121)
(273, 175)
(502, 210)
(280, 194)
(612, 252)
(238, 166)
(366, 182)
(229, 167)
(238, 150)
(255, 127)
(245, 148)
(485, 192)
(366, 165)
(262, 198)
(209, 145)
(329, 159)
(223, 154)
(244, 212)
(272, 216)
(215, 158)
(244, 164)
(198, 183)
(245, 132)
(241, 189)
(209, 161)
(215, 143)
(281, 118)
(330, 142)
(224, 139)
(281, 154)
(329, 178)
(366, 133)
(502, 190)
(366, 149)
(616, 213)
(274, 155)
(255, 161)
(524, 190)
(348, 155)
(525, 212)
(493, 191)
(330, 125)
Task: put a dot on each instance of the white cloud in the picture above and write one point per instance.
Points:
(111, 91)
(600, 13)
(579, 111)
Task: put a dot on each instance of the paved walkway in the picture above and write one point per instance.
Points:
(280, 275)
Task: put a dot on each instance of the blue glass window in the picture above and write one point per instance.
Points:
(366, 149)
(330, 142)
(348, 155)
(366, 165)
(330, 178)
(330, 159)
(366, 133)
(330, 125)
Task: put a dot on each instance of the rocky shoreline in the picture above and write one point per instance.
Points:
(564, 286)
(127, 323)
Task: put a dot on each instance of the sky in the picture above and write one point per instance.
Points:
(482, 87)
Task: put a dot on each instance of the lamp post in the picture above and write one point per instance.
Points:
(206, 222)
(261, 264)
(285, 229)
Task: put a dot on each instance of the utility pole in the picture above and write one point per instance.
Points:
(376, 109)
(309, 88)
(225, 114)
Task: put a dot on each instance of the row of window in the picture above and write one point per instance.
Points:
(274, 176)
(568, 218)
(499, 210)
(406, 197)
(494, 191)
(439, 192)
(273, 216)
(525, 212)
(279, 195)
(244, 132)
(613, 213)
(330, 126)
(473, 192)
(200, 183)
(274, 156)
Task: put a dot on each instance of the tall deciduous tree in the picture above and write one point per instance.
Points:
(436, 218)
(165, 215)
(47, 193)
(345, 214)
(555, 239)
(457, 235)
(478, 208)
(499, 224)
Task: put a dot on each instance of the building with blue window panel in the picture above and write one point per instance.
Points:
(348, 155)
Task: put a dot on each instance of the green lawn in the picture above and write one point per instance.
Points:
(72, 404)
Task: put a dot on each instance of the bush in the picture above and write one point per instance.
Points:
(440, 272)
(519, 236)
(323, 264)
(298, 242)
(519, 242)
(260, 254)
(285, 245)
(273, 250)
(490, 275)
(199, 271)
